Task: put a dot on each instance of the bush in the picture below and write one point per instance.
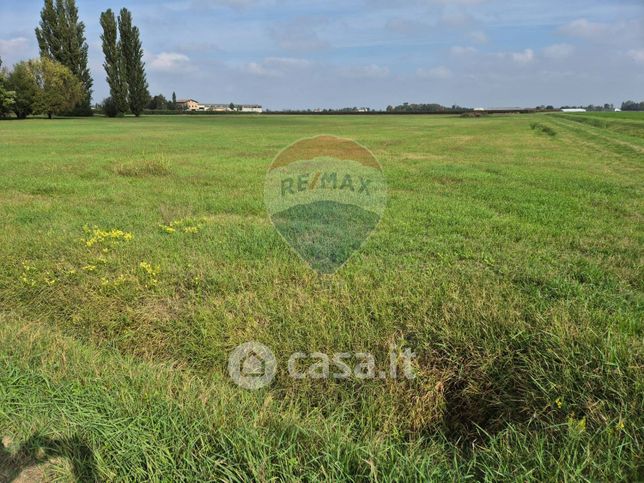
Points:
(474, 114)
(537, 126)
(110, 107)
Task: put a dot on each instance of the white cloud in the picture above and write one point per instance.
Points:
(558, 51)
(478, 37)
(584, 28)
(275, 66)
(372, 71)
(637, 55)
(619, 33)
(260, 70)
(440, 72)
(236, 4)
(299, 34)
(407, 26)
(456, 19)
(169, 62)
(13, 46)
(458, 50)
(459, 2)
(524, 57)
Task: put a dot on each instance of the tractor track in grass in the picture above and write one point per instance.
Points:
(598, 134)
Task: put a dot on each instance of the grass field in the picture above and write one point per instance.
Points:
(137, 253)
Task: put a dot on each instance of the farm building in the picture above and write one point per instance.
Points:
(251, 108)
(193, 105)
(187, 105)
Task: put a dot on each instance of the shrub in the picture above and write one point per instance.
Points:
(537, 126)
(109, 107)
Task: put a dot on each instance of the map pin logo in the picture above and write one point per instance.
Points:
(325, 196)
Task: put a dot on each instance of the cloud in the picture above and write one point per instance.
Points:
(558, 51)
(585, 29)
(620, 33)
(459, 2)
(169, 62)
(13, 46)
(275, 66)
(202, 47)
(637, 55)
(299, 34)
(524, 57)
(407, 26)
(458, 50)
(456, 19)
(236, 4)
(478, 37)
(440, 72)
(372, 71)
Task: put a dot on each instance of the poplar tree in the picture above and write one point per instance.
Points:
(61, 37)
(114, 61)
(132, 53)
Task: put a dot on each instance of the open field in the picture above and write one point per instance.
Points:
(137, 253)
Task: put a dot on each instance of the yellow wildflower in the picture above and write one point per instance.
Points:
(151, 273)
(99, 236)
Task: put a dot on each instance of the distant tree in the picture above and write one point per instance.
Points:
(173, 104)
(114, 62)
(132, 52)
(632, 106)
(58, 89)
(23, 83)
(158, 102)
(433, 107)
(61, 37)
(231, 106)
(7, 96)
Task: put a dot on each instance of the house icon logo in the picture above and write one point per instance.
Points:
(252, 365)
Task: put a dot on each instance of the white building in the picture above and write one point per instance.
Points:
(251, 108)
(573, 110)
(192, 105)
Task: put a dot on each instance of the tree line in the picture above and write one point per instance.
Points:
(60, 82)
(632, 106)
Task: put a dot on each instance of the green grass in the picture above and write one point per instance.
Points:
(510, 261)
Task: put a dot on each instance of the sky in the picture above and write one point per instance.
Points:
(370, 53)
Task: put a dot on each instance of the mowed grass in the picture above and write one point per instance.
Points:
(137, 254)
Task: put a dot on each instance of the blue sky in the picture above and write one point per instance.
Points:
(308, 54)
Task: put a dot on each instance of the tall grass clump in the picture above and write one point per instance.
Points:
(537, 126)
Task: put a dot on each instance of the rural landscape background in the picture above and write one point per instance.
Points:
(137, 254)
